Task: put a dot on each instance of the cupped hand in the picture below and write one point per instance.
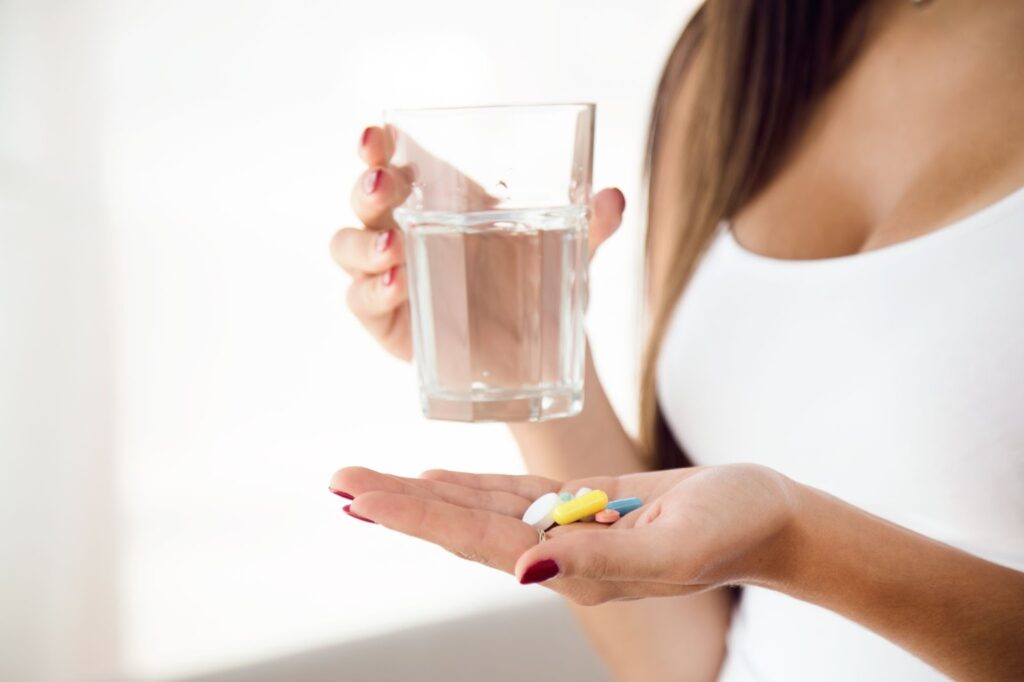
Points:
(373, 253)
(699, 527)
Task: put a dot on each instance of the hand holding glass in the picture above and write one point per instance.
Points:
(495, 228)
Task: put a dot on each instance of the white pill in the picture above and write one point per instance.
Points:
(583, 491)
(538, 514)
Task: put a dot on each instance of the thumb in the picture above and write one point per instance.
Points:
(606, 218)
(599, 554)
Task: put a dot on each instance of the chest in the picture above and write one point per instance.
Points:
(916, 134)
(894, 380)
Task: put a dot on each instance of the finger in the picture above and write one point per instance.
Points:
(529, 487)
(383, 310)
(497, 501)
(491, 539)
(374, 297)
(376, 193)
(588, 592)
(436, 176)
(608, 206)
(393, 331)
(357, 480)
(638, 554)
(367, 252)
(360, 480)
(376, 146)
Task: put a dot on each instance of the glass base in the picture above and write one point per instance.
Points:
(502, 406)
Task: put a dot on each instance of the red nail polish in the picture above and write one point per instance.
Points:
(366, 137)
(545, 569)
(383, 241)
(348, 510)
(389, 276)
(341, 493)
(371, 181)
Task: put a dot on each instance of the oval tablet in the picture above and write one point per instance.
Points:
(626, 505)
(539, 513)
(607, 516)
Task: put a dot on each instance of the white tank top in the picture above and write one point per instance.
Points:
(893, 379)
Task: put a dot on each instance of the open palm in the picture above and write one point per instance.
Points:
(699, 527)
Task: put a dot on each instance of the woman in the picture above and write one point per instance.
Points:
(833, 391)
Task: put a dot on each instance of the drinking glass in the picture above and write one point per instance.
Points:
(495, 230)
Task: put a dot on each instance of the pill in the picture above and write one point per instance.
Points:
(566, 496)
(538, 514)
(606, 516)
(580, 507)
(625, 505)
(583, 491)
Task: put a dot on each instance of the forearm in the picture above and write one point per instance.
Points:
(674, 639)
(592, 443)
(959, 613)
(653, 640)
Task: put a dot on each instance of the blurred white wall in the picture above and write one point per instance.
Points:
(180, 375)
(60, 553)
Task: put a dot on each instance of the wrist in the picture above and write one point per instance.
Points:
(593, 443)
(777, 562)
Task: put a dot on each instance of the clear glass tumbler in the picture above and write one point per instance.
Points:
(495, 229)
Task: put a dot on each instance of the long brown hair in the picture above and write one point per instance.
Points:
(757, 66)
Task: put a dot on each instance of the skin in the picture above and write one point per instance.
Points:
(926, 126)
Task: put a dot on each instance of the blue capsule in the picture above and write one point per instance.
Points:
(625, 505)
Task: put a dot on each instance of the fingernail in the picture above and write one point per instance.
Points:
(622, 199)
(348, 510)
(389, 276)
(341, 493)
(545, 569)
(365, 137)
(372, 180)
(383, 241)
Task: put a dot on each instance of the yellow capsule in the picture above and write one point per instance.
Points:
(576, 509)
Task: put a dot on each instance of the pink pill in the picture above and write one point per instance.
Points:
(606, 516)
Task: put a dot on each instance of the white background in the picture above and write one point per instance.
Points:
(180, 374)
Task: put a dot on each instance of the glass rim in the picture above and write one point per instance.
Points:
(485, 108)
